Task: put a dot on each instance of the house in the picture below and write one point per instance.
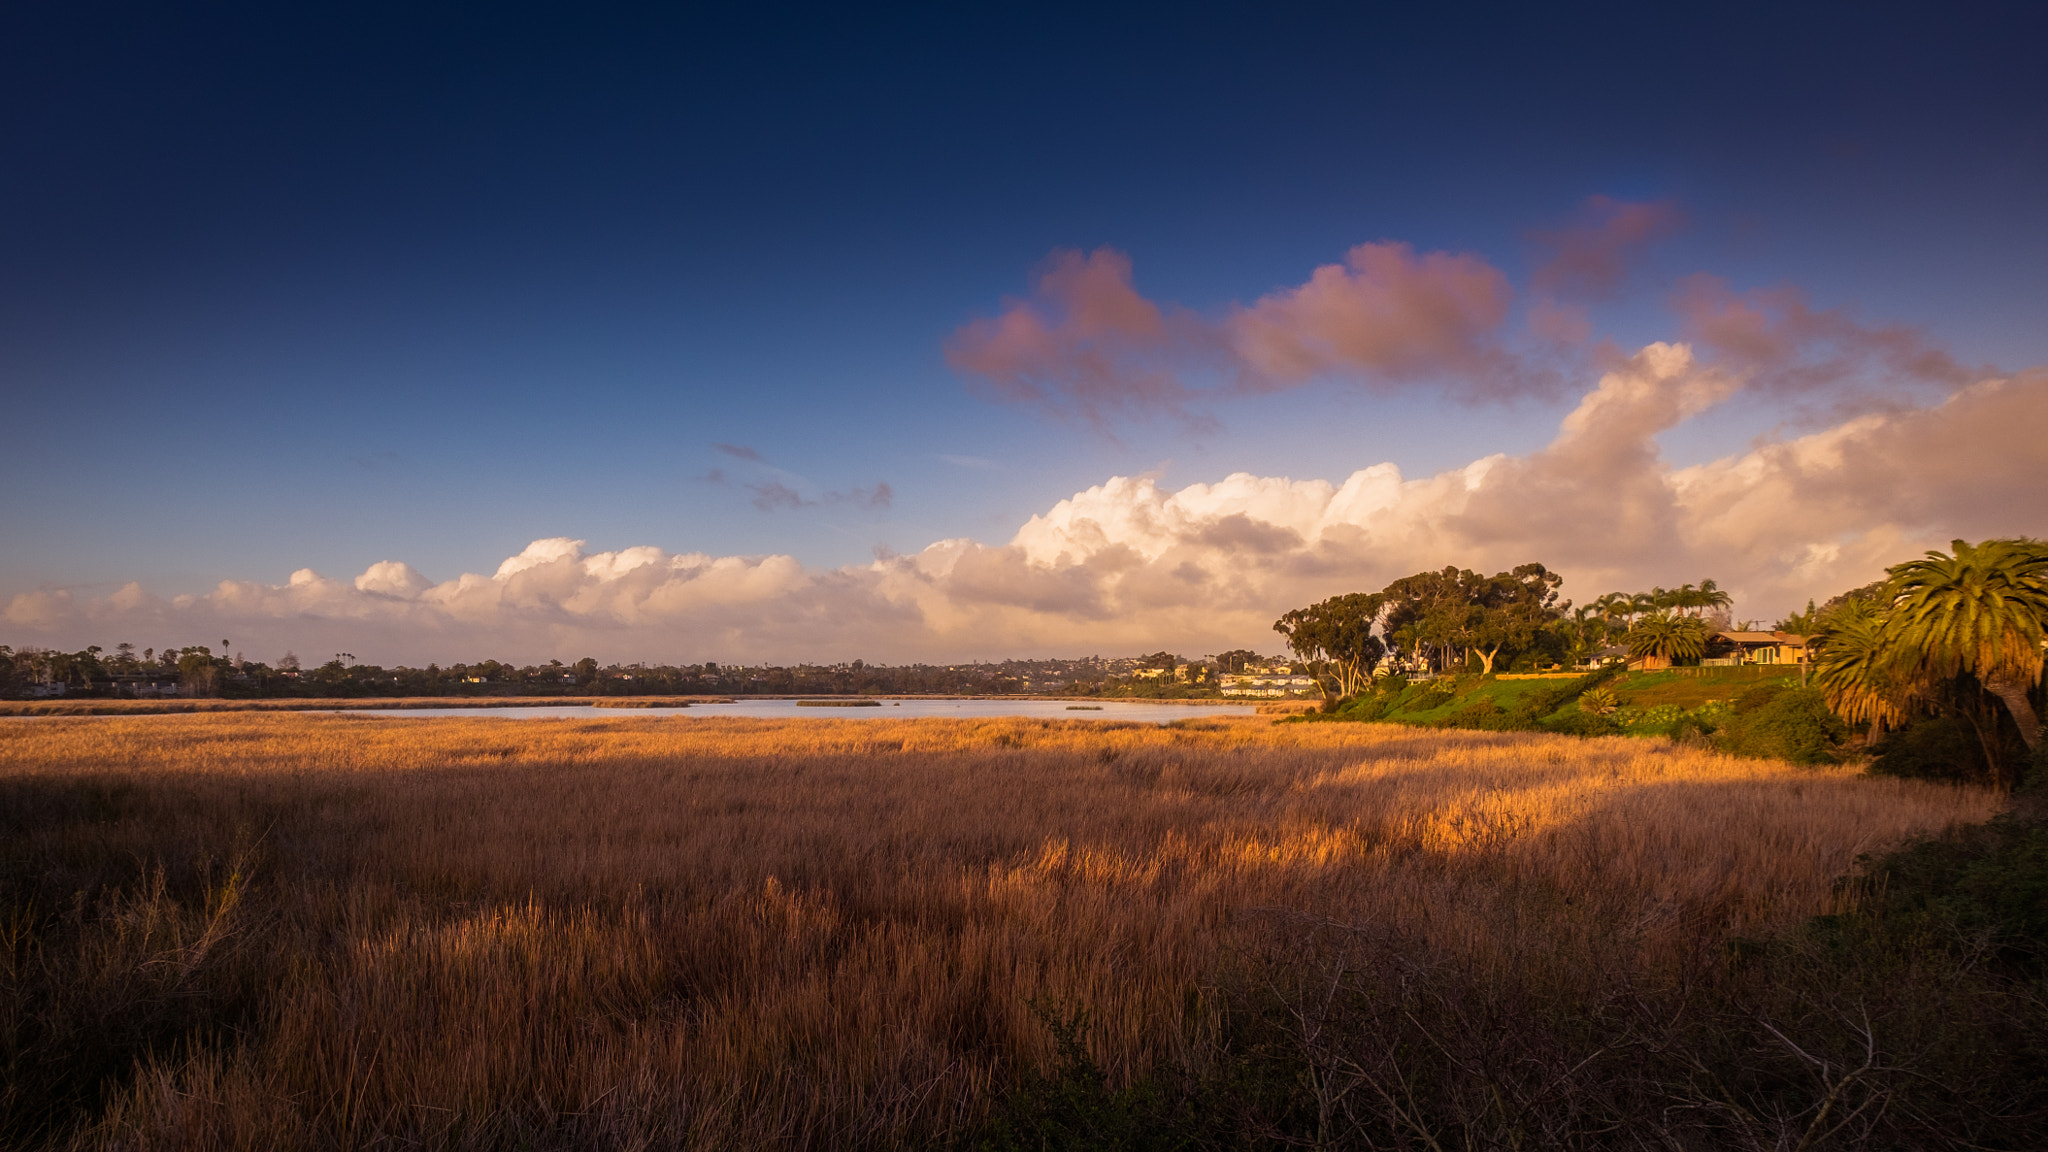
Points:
(1266, 685)
(1768, 647)
(1746, 648)
(144, 684)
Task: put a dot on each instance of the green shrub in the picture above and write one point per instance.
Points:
(1482, 714)
(1691, 726)
(1757, 697)
(1787, 724)
(1577, 723)
(1655, 720)
(1365, 708)
(1529, 712)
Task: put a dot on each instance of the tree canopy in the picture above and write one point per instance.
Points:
(1338, 632)
(1442, 615)
(1236, 659)
(1439, 619)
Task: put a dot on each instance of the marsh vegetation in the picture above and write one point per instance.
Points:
(277, 931)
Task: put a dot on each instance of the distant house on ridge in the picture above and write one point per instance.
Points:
(1767, 647)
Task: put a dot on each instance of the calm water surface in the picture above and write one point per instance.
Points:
(1141, 712)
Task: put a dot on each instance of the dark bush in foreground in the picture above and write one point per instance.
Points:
(1979, 887)
(1936, 748)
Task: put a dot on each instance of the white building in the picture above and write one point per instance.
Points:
(1267, 684)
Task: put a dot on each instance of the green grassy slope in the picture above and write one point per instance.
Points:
(1751, 710)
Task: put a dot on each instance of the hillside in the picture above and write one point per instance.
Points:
(1754, 710)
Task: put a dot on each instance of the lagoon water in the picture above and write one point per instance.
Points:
(1137, 711)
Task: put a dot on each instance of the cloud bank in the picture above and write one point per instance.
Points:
(1088, 344)
(1129, 566)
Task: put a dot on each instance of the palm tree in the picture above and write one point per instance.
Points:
(1712, 597)
(1683, 598)
(1614, 609)
(1980, 610)
(1669, 636)
(1859, 671)
(1583, 632)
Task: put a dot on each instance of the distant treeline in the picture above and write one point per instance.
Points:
(200, 671)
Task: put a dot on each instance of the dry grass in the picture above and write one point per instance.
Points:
(253, 931)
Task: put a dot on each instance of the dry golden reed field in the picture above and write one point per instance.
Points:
(270, 931)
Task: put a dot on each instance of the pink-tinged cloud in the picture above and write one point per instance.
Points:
(774, 494)
(1559, 322)
(876, 498)
(1086, 340)
(1385, 315)
(1788, 347)
(1089, 343)
(1127, 566)
(1590, 257)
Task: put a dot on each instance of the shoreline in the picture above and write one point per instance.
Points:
(105, 707)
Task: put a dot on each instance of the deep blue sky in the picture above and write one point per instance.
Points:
(282, 287)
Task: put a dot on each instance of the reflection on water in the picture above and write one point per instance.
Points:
(1139, 711)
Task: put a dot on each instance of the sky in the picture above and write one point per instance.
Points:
(774, 333)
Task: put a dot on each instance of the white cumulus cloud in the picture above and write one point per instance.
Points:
(1128, 565)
